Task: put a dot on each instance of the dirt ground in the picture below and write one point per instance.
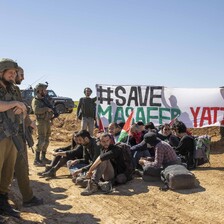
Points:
(135, 202)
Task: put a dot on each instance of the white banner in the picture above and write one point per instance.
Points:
(196, 107)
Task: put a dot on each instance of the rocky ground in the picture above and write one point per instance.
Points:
(135, 202)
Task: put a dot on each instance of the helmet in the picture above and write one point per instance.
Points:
(40, 86)
(6, 63)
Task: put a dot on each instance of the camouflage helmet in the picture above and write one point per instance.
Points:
(40, 86)
(6, 63)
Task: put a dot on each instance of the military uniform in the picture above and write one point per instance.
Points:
(43, 122)
(21, 166)
(8, 152)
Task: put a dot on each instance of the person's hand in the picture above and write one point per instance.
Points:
(89, 174)
(142, 161)
(73, 162)
(55, 153)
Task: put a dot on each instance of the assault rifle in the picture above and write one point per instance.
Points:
(28, 137)
(11, 129)
(46, 101)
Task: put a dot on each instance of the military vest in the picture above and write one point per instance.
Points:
(9, 122)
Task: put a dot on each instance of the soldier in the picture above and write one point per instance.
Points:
(21, 166)
(10, 109)
(44, 115)
(86, 111)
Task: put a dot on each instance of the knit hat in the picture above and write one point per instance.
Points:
(151, 139)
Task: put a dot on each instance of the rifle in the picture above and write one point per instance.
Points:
(47, 102)
(11, 129)
(28, 137)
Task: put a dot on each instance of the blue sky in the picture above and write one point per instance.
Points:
(74, 44)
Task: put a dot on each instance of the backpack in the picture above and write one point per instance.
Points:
(126, 151)
(202, 149)
(177, 177)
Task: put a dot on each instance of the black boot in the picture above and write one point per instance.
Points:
(50, 173)
(37, 161)
(44, 159)
(47, 168)
(34, 201)
(6, 208)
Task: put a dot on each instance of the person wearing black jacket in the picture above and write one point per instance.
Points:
(186, 146)
(62, 156)
(108, 166)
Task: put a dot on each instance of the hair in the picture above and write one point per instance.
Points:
(83, 134)
(150, 125)
(180, 127)
(115, 124)
(140, 123)
(86, 89)
(104, 135)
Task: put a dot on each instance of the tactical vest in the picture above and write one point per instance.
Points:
(9, 122)
(46, 116)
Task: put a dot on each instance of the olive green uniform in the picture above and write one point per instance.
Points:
(21, 166)
(8, 151)
(43, 122)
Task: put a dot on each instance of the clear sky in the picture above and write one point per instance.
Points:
(73, 44)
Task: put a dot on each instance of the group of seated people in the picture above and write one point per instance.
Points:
(98, 163)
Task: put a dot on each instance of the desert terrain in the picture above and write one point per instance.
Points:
(136, 202)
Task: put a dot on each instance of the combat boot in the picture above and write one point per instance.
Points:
(106, 186)
(82, 181)
(37, 161)
(50, 173)
(47, 168)
(44, 159)
(34, 201)
(91, 188)
(6, 208)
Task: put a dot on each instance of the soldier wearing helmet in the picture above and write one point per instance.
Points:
(21, 166)
(44, 115)
(10, 109)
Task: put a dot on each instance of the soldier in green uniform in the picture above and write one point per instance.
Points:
(21, 166)
(10, 111)
(44, 115)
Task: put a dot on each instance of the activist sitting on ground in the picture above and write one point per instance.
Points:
(91, 150)
(150, 127)
(109, 167)
(186, 146)
(141, 126)
(164, 155)
(114, 129)
(62, 156)
(135, 136)
(166, 135)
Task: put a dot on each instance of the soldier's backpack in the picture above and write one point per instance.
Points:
(177, 177)
(202, 149)
(126, 151)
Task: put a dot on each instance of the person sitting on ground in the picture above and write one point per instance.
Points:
(186, 145)
(141, 126)
(135, 136)
(108, 166)
(62, 156)
(167, 136)
(150, 127)
(91, 150)
(164, 156)
(114, 130)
